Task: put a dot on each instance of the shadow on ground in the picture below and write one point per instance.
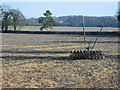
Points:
(83, 41)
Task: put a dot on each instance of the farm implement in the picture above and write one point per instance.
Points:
(88, 52)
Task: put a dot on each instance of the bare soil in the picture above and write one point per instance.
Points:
(42, 61)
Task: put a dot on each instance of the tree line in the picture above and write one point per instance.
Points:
(76, 21)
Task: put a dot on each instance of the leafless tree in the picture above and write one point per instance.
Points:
(17, 18)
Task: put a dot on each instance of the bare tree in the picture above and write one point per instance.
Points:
(17, 18)
(5, 17)
(1, 13)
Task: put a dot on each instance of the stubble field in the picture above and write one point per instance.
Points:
(42, 61)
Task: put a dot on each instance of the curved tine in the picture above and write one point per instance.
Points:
(80, 51)
(77, 52)
(74, 51)
(90, 51)
(83, 51)
(93, 52)
(99, 51)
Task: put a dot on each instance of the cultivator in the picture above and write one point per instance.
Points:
(88, 52)
(83, 54)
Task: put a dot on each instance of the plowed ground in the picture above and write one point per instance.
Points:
(42, 61)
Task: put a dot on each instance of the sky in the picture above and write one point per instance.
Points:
(35, 8)
(59, 0)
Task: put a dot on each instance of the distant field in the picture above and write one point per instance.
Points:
(37, 28)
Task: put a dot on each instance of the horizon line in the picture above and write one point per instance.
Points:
(79, 15)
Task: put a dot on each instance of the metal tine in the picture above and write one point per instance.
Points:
(77, 52)
(74, 51)
(81, 51)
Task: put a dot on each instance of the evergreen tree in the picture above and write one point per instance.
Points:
(47, 21)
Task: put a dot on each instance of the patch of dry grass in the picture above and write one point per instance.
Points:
(79, 74)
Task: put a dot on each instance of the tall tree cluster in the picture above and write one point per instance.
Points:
(12, 17)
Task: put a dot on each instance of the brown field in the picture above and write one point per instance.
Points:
(42, 61)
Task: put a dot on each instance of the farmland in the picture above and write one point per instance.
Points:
(42, 61)
(37, 28)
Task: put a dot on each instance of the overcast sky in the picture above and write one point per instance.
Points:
(73, 7)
